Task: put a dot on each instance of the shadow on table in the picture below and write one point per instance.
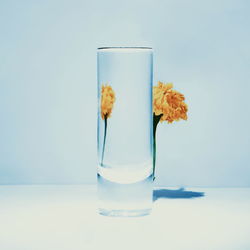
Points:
(175, 194)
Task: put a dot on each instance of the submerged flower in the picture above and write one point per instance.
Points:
(107, 101)
(168, 103)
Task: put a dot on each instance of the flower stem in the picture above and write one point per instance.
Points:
(104, 138)
(156, 119)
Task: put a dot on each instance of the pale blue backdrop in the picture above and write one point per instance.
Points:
(48, 86)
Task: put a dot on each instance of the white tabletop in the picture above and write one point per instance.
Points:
(65, 217)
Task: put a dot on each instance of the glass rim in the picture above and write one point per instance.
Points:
(124, 47)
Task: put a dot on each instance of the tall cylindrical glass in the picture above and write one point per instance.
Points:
(125, 130)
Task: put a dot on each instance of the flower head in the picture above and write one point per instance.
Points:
(107, 101)
(169, 103)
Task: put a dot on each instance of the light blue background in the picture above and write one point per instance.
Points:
(48, 86)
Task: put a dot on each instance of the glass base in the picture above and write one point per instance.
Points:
(125, 200)
(124, 213)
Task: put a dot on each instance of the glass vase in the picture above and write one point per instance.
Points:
(125, 162)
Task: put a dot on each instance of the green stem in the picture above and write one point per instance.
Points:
(156, 119)
(104, 138)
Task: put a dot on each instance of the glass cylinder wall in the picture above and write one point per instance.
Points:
(124, 130)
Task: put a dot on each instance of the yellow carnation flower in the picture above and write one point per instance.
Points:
(169, 103)
(107, 101)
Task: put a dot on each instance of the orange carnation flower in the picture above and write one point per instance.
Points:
(107, 101)
(169, 103)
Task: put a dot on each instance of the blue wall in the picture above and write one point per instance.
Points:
(48, 86)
